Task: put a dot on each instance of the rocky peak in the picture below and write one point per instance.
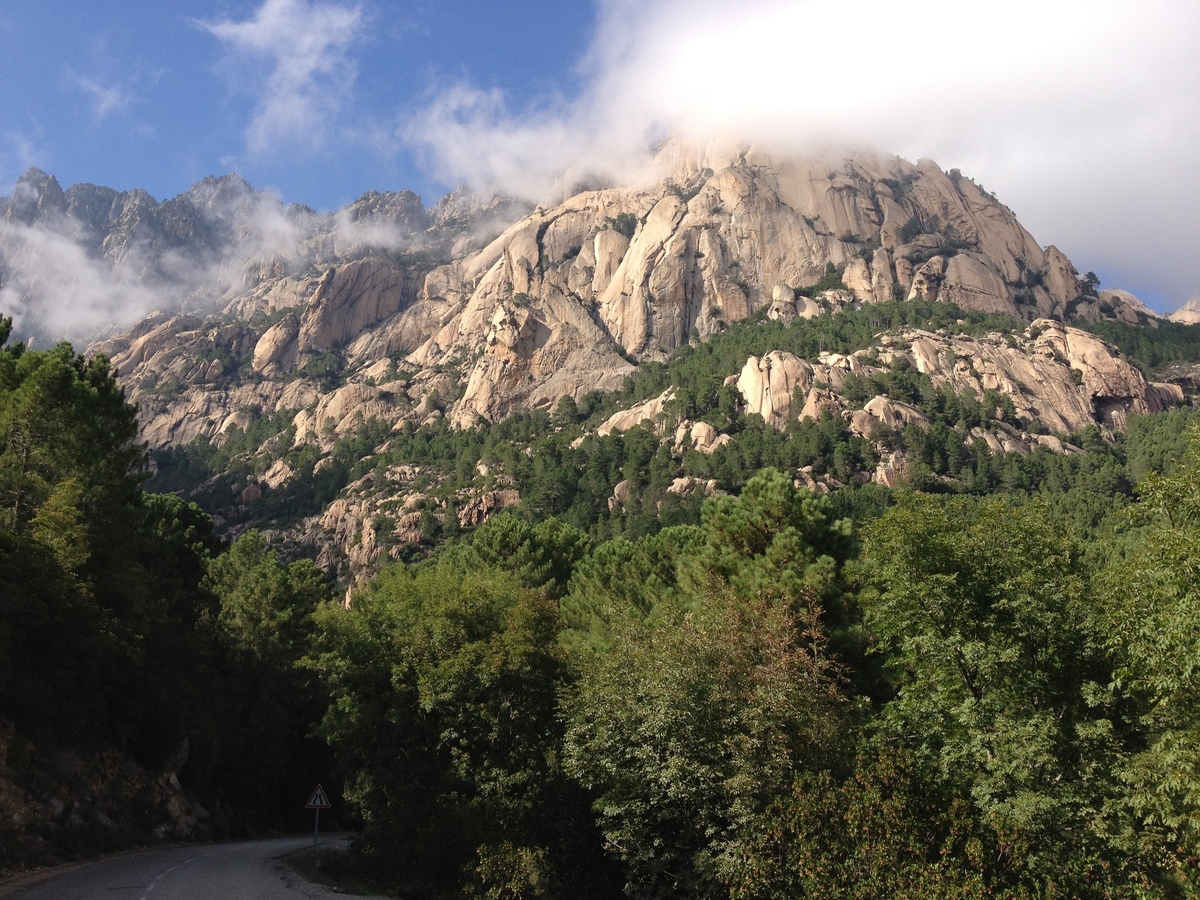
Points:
(456, 314)
(462, 205)
(35, 198)
(724, 232)
(403, 208)
(221, 193)
(1188, 314)
(91, 207)
(564, 298)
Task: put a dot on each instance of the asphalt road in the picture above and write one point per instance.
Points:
(248, 870)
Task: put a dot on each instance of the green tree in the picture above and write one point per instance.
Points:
(443, 718)
(63, 416)
(1153, 593)
(1001, 676)
(774, 537)
(712, 684)
(887, 831)
(623, 578)
(57, 647)
(265, 625)
(109, 633)
(541, 555)
(566, 412)
(183, 680)
(78, 610)
(266, 607)
(686, 727)
(57, 526)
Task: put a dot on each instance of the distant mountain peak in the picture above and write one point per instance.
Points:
(36, 196)
(1188, 314)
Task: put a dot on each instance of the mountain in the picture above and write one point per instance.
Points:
(296, 352)
(1188, 314)
(90, 259)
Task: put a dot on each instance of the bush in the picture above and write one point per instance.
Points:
(626, 224)
(910, 230)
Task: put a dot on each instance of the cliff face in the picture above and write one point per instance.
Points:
(720, 237)
(564, 300)
(393, 313)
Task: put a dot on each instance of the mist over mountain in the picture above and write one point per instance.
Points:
(90, 260)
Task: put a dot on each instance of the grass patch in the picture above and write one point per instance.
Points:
(332, 866)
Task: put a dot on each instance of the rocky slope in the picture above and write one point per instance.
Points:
(91, 259)
(565, 299)
(1059, 378)
(71, 805)
(390, 313)
(1045, 382)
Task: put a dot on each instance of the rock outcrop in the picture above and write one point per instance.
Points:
(57, 803)
(1188, 314)
(1056, 377)
(650, 410)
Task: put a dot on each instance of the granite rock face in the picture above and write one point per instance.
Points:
(1055, 376)
(1188, 314)
(566, 299)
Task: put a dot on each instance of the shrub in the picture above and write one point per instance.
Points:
(910, 230)
(626, 224)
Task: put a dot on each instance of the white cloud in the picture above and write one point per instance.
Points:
(54, 287)
(310, 70)
(105, 98)
(470, 135)
(21, 152)
(1080, 114)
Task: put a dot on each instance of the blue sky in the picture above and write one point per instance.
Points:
(1082, 115)
(158, 94)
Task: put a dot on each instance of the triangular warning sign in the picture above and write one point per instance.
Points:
(318, 800)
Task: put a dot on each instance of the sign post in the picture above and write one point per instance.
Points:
(318, 801)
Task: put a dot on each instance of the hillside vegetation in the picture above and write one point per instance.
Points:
(411, 487)
(137, 650)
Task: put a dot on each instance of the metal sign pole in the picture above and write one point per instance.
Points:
(318, 801)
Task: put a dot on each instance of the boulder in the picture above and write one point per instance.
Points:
(627, 418)
(767, 385)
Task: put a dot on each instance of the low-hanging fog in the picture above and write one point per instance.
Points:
(64, 280)
(1082, 115)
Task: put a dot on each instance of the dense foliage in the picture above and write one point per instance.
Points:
(961, 704)
(445, 720)
(1150, 347)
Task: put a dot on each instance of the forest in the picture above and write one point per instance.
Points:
(982, 683)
